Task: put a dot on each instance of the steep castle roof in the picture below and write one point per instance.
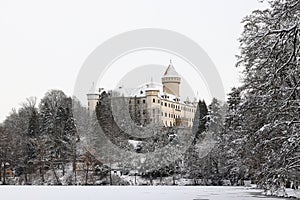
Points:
(171, 71)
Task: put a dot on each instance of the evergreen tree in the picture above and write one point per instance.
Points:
(203, 119)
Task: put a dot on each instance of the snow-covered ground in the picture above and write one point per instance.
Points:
(131, 192)
(293, 193)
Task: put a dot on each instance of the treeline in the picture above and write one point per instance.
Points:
(39, 138)
(265, 117)
(259, 137)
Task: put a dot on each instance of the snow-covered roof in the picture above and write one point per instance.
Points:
(134, 143)
(170, 71)
(167, 96)
(93, 90)
(141, 91)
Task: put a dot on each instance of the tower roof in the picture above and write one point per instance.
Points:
(171, 71)
(93, 91)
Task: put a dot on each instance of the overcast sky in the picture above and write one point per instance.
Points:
(43, 44)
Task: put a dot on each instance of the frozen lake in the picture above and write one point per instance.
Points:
(131, 192)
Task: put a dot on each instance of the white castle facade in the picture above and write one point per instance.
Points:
(157, 103)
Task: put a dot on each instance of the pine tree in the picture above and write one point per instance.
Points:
(203, 119)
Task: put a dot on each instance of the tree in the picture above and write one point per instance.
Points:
(203, 119)
(214, 162)
(58, 130)
(193, 161)
(5, 152)
(270, 107)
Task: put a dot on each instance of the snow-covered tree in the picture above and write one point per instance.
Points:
(6, 148)
(269, 111)
(58, 131)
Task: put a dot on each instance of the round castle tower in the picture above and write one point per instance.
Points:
(171, 81)
(93, 97)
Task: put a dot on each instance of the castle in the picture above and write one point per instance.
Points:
(157, 103)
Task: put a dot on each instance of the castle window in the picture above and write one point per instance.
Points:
(166, 104)
(169, 106)
(162, 113)
(129, 101)
(166, 115)
(141, 92)
(138, 101)
(162, 103)
(158, 101)
(153, 100)
(144, 101)
(169, 115)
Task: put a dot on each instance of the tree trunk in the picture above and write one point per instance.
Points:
(63, 169)
(42, 174)
(75, 170)
(160, 179)
(86, 174)
(0, 171)
(110, 176)
(55, 175)
(25, 176)
(151, 179)
(4, 175)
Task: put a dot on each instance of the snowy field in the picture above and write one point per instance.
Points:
(131, 193)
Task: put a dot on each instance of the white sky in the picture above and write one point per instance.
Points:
(44, 43)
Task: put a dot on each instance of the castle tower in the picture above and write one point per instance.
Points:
(171, 81)
(93, 97)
